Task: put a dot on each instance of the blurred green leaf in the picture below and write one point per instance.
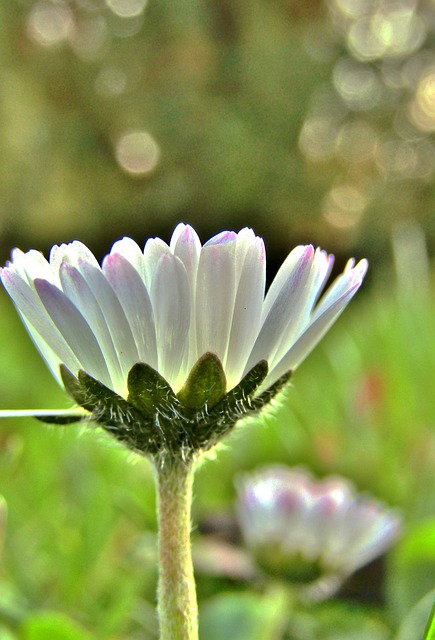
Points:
(245, 616)
(6, 634)
(430, 628)
(52, 626)
(338, 621)
(412, 567)
(419, 619)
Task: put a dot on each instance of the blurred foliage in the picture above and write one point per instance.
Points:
(306, 120)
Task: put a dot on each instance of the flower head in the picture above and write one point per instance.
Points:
(306, 528)
(188, 313)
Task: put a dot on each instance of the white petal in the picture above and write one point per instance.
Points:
(247, 311)
(130, 250)
(245, 240)
(170, 300)
(73, 253)
(351, 275)
(283, 304)
(115, 318)
(76, 287)
(371, 529)
(303, 302)
(310, 338)
(285, 273)
(215, 294)
(74, 329)
(186, 245)
(31, 265)
(51, 357)
(322, 267)
(133, 296)
(154, 250)
(222, 238)
(39, 324)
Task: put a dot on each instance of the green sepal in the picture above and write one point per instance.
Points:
(249, 383)
(108, 408)
(206, 384)
(154, 421)
(263, 399)
(119, 417)
(73, 387)
(241, 402)
(148, 391)
(61, 420)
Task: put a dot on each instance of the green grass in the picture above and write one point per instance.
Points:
(78, 558)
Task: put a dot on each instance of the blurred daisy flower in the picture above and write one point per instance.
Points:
(174, 329)
(306, 530)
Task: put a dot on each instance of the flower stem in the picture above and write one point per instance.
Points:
(177, 607)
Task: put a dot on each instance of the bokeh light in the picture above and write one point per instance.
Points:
(137, 153)
(90, 37)
(111, 81)
(127, 8)
(422, 107)
(357, 84)
(344, 205)
(50, 23)
(342, 94)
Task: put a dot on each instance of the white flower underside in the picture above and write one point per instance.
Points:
(324, 521)
(169, 304)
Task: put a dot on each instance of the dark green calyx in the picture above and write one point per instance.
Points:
(206, 384)
(154, 421)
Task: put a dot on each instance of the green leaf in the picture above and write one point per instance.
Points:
(206, 383)
(52, 626)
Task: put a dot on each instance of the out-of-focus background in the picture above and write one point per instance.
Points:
(308, 120)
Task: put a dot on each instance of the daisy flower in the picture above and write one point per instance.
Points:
(307, 529)
(191, 314)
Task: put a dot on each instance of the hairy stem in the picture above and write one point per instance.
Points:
(177, 607)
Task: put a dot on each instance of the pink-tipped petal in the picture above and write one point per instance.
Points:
(281, 307)
(310, 338)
